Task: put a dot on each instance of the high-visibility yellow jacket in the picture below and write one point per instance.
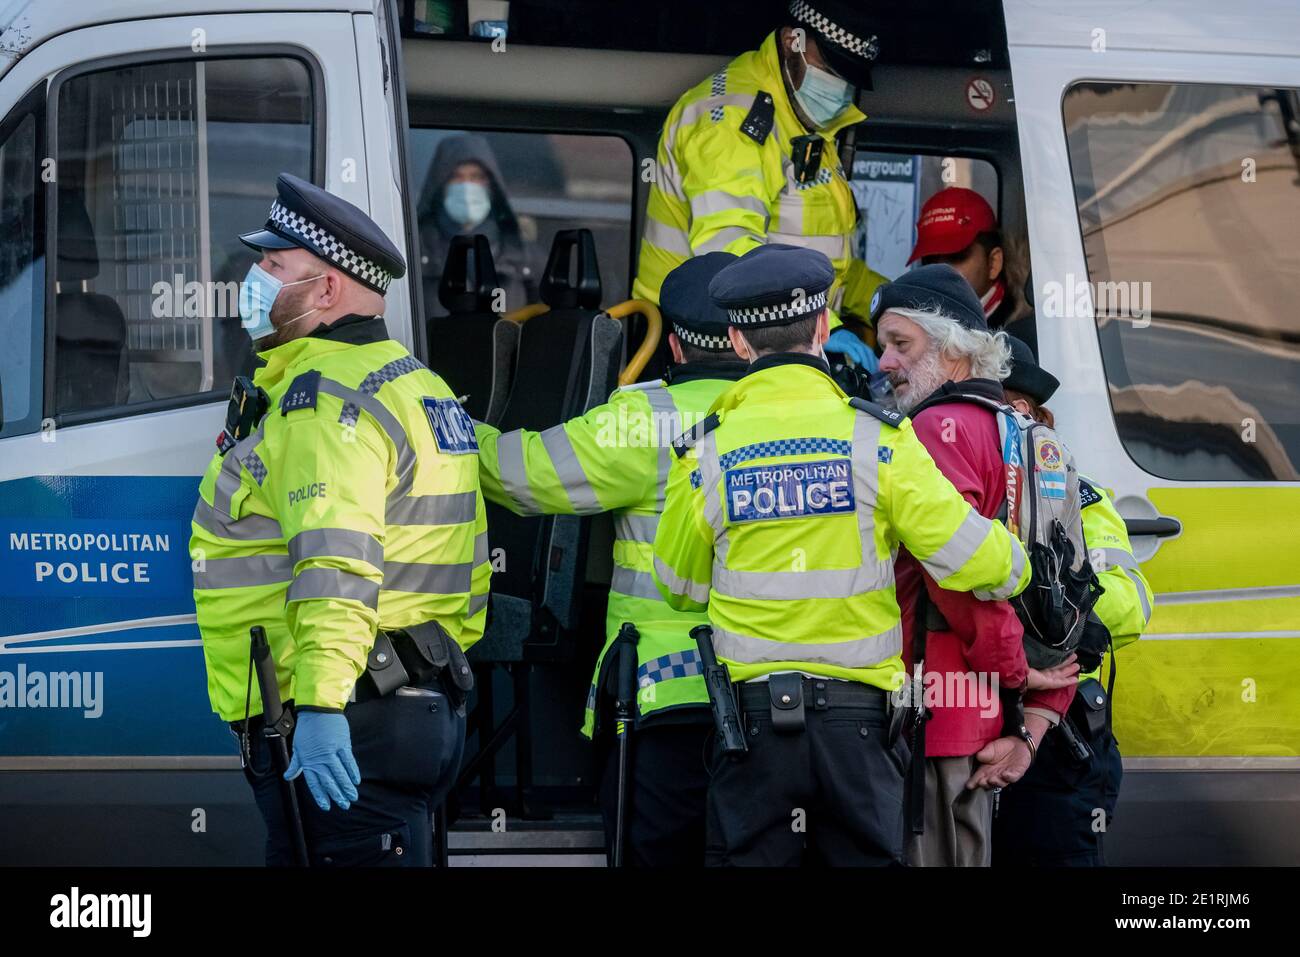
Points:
(616, 459)
(355, 505)
(716, 187)
(1125, 605)
(784, 520)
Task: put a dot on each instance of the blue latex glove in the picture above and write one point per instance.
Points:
(844, 341)
(322, 750)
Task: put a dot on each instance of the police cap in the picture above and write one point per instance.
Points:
(773, 285)
(1026, 375)
(307, 217)
(684, 300)
(844, 34)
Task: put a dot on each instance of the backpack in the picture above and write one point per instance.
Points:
(1043, 509)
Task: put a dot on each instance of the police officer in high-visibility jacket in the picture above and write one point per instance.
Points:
(616, 459)
(1057, 815)
(748, 156)
(342, 513)
(783, 513)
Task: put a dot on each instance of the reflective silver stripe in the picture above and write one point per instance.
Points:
(387, 421)
(1008, 588)
(1136, 579)
(629, 581)
(316, 583)
(832, 247)
(1117, 557)
(724, 237)
(866, 492)
(451, 508)
(959, 548)
(428, 579)
(720, 201)
(336, 543)
(710, 476)
(855, 653)
(480, 548)
(835, 583)
(227, 483)
(693, 112)
(246, 572)
(636, 528)
(680, 586)
(569, 470)
(668, 425)
(668, 238)
(477, 603)
(514, 477)
(251, 527)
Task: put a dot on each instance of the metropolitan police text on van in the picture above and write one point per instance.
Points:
(122, 573)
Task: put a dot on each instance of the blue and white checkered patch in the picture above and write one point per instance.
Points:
(885, 454)
(782, 447)
(679, 664)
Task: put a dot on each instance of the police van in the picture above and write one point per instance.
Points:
(1144, 159)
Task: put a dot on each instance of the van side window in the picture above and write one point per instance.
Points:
(1188, 197)
(519, 189)
(160, 166)
(22, 265)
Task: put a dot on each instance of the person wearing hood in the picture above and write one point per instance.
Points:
(464, 194)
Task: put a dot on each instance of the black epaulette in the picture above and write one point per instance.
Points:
(760, 118)
(301, 394)
(1087, 494)
(686, 441)
(887, 416)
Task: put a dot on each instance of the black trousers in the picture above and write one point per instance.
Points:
(829, 795)
(1058, 813)
(667, 784)
(408, 749)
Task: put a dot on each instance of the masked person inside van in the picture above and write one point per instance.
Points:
(464, 194)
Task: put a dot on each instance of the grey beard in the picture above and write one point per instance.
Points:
(925, 376)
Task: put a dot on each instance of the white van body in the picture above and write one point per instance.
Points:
(1207, 705)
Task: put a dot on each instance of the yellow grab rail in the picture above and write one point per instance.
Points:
(654, 330)
(524, 313)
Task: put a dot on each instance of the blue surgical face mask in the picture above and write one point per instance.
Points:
(467, 203)
(256, 297)
(822, 96)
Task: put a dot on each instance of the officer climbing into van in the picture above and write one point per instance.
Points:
(1058, 814)
(780, 521)
(342, 513)
(748, 156)
(616, 458)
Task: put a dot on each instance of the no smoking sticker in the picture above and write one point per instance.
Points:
(980, 95)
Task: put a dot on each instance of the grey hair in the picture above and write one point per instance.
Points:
(988, 352)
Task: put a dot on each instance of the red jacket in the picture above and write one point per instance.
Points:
(985, 637)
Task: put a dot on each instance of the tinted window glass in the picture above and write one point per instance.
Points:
(22, 273)
(161, 165)
(1189, 199)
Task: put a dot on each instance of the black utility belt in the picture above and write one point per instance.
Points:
(416, 655)
(787, 697)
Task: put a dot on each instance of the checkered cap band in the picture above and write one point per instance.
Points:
(333, 249)
(866, 47)
(757, 315)
(702, 340)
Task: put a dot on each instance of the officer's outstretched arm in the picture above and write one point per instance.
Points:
(962, 550)
(330, 484)
(1125, 605)
(683, 550)
(609, 458)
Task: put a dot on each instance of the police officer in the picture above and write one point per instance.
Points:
(342, 513)
(1057, 815)
(748, 156)
(783, 512)
(616, 458)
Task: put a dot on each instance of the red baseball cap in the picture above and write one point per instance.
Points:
(950, 221)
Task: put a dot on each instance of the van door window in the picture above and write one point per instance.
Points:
(160, 167)
(519, 189)
(1188, 197)
(22, 266)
